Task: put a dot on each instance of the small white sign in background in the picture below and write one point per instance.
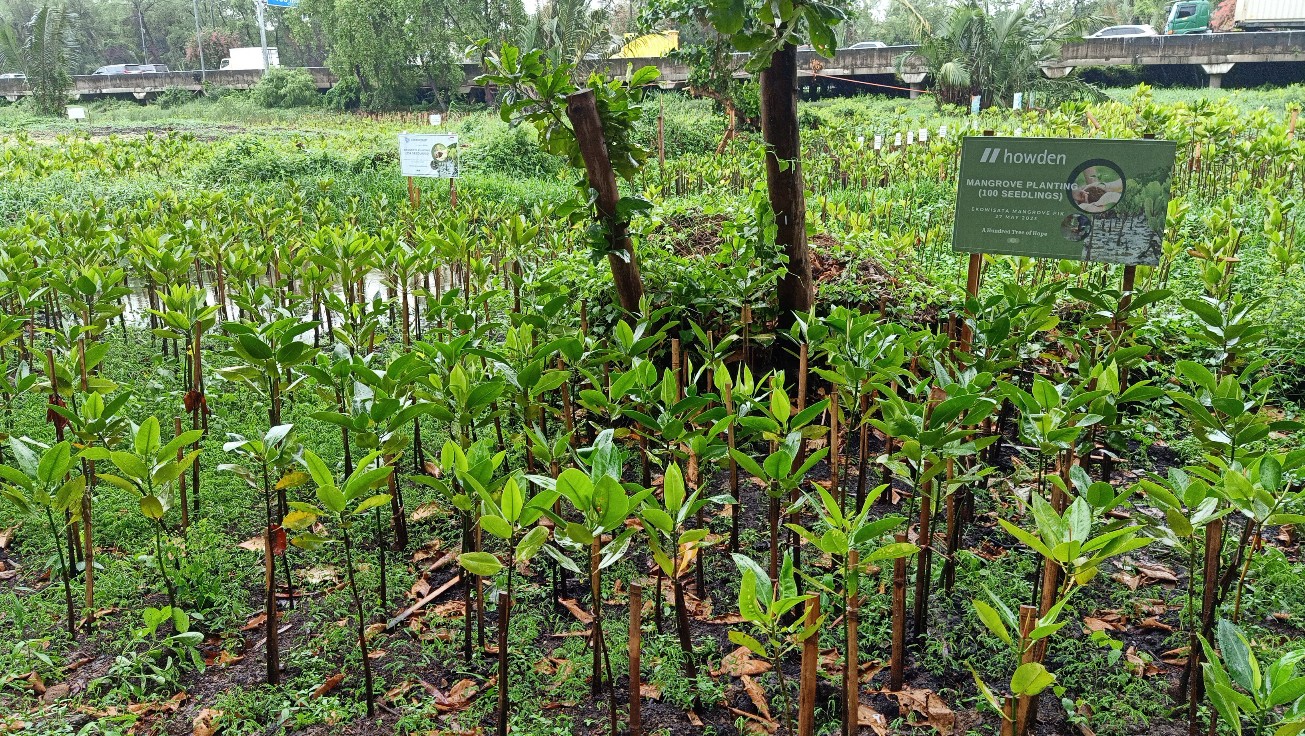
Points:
(433, 155)
(76, 113)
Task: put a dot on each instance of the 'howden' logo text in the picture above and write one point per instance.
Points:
(992, 155)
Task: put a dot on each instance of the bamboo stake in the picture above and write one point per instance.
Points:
(852, 667)
(808, 679)
(897, 673)
(504, 618)
(636, 635)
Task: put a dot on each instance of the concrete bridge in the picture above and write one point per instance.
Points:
(1215, 53)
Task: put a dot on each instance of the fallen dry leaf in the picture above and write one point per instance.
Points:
(425, 511)
(321, 574)
(35, 682)
(1176, 657)
(331, 683)
(739, 663)
(867, 716)
(1104, 621)
(581, 614)
(1157, 573)
(728, 619)
(7, 536)
(255, 622)
(253, 544)
(757, 696)
(650, 691)
(927, 703)
(1151, 622)
(458, 697)
(1139, 666)
(55, 692)
(206, 723)
(753, 723)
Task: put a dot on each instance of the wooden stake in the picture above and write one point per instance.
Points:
(897, 672)
(504, 618)
(808, 679)
(923, 564)
(636, 636)
(1025, 711)
(181, 479)
(852, 667)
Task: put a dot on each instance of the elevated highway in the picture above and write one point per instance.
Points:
(1214, 53)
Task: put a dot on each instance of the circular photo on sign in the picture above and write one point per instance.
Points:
(1096, 186)
(440, 152)
(1076, 228)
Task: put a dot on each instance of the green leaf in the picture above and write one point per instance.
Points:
(371, 502)
(990, 618)
(152, 507)
(496, 525)
(148, 438)
(1237, 656)
(673, 489)
(1030, 679)
(752, 645)
(54, 464)
(480, 563)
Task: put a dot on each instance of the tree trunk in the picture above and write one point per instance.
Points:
(779, 129)
(582, 110)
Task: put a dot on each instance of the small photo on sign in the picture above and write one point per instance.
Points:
(1096, 187)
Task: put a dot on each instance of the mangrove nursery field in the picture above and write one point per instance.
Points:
(295, 446)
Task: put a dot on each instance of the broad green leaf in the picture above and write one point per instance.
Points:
(480, 563)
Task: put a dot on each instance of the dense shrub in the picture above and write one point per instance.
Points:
(173, 97)
(250, 159)
(691, 126)
(345, 95)
(286, 87)
(501, 149)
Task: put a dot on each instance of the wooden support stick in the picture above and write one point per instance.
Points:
(636, 637)
(852, 667)
(504, 617)
(897, 670)
(808, 679)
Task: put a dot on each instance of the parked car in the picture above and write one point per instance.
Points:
(113, 69)
(1125, 32)
(868, 45)
(13, 75)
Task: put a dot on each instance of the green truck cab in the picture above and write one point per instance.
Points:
(1188, 16)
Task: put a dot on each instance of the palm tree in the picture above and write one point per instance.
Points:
(976, 50)
(45, 53)
(570, 32)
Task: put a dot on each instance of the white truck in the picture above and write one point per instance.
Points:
(1269, 14)
(250, 58)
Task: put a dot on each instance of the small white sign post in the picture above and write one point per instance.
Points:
(430, 156)
(76, 113)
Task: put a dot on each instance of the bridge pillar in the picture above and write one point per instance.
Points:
(1216, 72)
(915, 80)
(1057, 72)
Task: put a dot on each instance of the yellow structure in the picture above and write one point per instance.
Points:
(650, 45)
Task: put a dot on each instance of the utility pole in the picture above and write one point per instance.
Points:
(140, 19)
(260, 6)
(199, 43)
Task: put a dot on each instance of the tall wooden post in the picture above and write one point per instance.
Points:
(808, 678)
(636, 644)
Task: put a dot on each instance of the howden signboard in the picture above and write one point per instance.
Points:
(1066, 198)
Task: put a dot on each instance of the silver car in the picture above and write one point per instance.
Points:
(1125, 32)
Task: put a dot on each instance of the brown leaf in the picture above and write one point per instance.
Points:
(35, 682)
(650, 691)
(753, 723)
(7, 536)
(694, 720)
(222, 659)
(278, 540)
(1132, 582)
(1157, 573)
(206, 723)
(927, 703)
(728, 619)
(1138, 665)
(458, 697)
(757, 696)
(581, 615)
(1151, 622)
(55, 692)
(255, 622)
(1104, 621)
(1176, 657)
(867, 716)
(739, 663)
(425, 511)
(331, 683)
(321, 574)
(253, 544)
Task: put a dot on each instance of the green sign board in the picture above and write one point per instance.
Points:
(1074, 199)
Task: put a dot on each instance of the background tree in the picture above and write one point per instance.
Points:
(994, 51)
(45, 51)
